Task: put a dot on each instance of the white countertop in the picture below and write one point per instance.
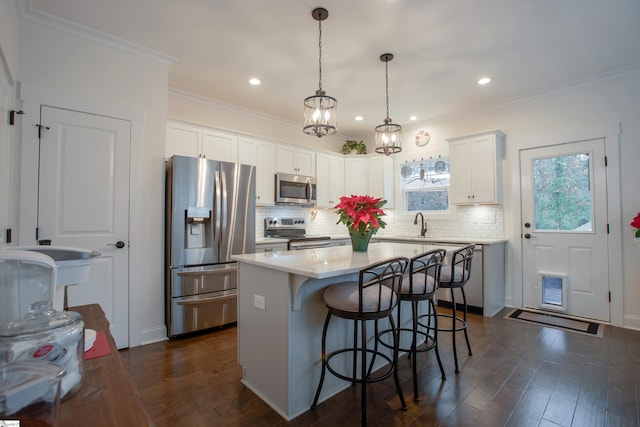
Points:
(320, 263)
(432, 239)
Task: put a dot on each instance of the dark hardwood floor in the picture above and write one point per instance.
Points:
(519, 375)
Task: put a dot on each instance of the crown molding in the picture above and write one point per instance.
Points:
(28, 12)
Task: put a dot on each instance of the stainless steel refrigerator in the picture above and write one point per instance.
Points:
(210, 215)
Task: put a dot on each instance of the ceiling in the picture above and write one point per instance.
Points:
(441, 49)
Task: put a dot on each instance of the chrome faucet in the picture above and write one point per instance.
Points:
(423, 224)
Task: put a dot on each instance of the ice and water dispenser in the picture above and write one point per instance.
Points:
(41, 345)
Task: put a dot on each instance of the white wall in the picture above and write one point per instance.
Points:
(78, 71)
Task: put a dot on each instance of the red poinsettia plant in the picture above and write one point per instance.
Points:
(361, 213)
(636, 224)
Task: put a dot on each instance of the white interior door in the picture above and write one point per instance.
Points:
(564, 229)
(83, 201)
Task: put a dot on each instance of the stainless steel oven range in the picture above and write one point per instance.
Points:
(294, 230)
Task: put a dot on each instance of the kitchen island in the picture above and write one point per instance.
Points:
(281, 314)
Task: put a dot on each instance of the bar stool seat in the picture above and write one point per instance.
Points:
(420, 284)
(373, 297)
(454, 276)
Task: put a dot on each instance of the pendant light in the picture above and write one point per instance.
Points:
(320, 109)
(388, 135)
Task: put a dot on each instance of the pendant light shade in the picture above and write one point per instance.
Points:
(388, 135)
(320, 109)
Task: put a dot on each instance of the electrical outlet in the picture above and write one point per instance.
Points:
(488, 219)
(258, 302)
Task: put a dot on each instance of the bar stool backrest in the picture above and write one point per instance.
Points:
(424, 273)
(375, 281)
(459, 270)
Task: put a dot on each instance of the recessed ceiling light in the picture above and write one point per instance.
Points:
(254, 81)
(484, 80)
(412, 118)
(359, 118)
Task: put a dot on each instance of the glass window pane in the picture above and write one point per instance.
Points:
(425, 185)
(562, 193)
(435, 200)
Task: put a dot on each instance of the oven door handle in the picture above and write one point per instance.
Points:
(311, 246)
(208, 300)
(212, 272)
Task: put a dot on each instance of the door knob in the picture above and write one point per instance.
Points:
(527, 236)
(119, 244)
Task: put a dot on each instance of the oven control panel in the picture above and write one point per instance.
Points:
(275, 223)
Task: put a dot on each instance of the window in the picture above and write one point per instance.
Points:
(425, 185)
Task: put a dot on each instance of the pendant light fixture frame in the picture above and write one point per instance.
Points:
(320, 110)
(388, 135)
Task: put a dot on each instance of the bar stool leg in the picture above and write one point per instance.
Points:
(396, 345)
(453, 329)
(466, 335)
(324, 359)
(432, 306)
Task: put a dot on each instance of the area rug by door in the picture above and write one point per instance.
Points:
(559, 322)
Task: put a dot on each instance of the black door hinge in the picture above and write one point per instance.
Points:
(12, 116)
(609, 296)
(36, 233)
(40, 127)
(607, 228)
(8, 235)
(606, 161)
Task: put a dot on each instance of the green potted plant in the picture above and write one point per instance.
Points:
(351, 145)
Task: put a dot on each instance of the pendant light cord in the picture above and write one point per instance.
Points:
(386, 67)
(320, 54)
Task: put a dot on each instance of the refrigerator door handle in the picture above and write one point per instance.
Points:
(225, 213)
(217, 202)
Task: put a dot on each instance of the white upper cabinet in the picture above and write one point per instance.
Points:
(294, 160)
(330, 178)
(218, 145)
(182, 140)
(476, 168)
(380, 172)
(198, 141)
(262, 155)
(355, 175)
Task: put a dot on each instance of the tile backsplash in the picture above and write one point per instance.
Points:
(485, 221)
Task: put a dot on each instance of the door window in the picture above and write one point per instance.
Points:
(562, 193)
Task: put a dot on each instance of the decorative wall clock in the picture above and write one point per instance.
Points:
(422, 138)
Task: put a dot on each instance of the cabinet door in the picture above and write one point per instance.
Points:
(336, 171)
(295, 161)
(182, 140)
(482, 152)
(286, 159)
(460, 176)
(381, 179)
(330, 177)
(247, 151)
(265, 173)
(219, 146)
(305, 162)
(355, 176)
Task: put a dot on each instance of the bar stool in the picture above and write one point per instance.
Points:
(420, 284)
(454, 276)
(373, 297)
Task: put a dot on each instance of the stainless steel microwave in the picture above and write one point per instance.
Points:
(295, 189)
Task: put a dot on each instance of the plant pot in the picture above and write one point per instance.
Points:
(360, 240)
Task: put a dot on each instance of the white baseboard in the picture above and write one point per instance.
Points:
(631, 322)
(151, 335)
